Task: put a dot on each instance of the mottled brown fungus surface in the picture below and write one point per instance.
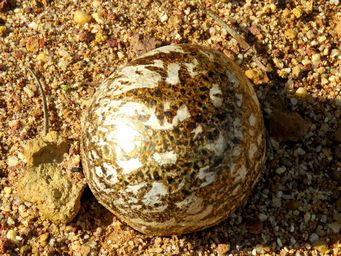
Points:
(174, 141)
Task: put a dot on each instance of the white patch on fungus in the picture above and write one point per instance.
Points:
(173, 73)
(207, 54)
(197, 131)
(252, 151)
(206, 176)
(168, 157)
(98, 171)
(181, 115)
(135, 188)
(218, 146)
(253, 93)
(214, 91)
(242, 172)
(232, 77)
(236, 151)
(110, 172)
(259, 139)
(134, 77)
(130, 165)
(191, 203)
(239, 99)
(165, 49)
(124, 136)
(190, 68)
(166, 105)
(154, 195)
(252, 119)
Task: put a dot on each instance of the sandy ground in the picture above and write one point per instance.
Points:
(294, 62)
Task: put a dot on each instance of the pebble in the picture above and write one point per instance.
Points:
(164, 18)
(3, 31)
(290, 33)
(307, 217)
(11, 235)
(316, 59)
(335, 227)
(43, 57)
(81, 17)
(257, 76)
(281, 170)
(7, 190)
(279, 242)
(301, 92)
(297, 12)
(296, 71)
(32, 44)
(12, 161)
(222, 249)
(98, 17)
(314, 237)
(262, 217)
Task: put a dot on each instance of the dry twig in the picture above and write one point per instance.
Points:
(238, 38)
(46, 114)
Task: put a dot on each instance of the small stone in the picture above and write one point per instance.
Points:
(262, 217)
(29, 92)
(12, 161)
(287, 126)
(33, 25)
(32, 44)
(290, 33)
(100, 37)
(222, 249)
(81, 17)
(164, 18)
(85, 36)
(44, 184)
(120, 55)
(301, 92)
(254, 227)
(307, 217)
(281, 170)
(3, 31)
(296, 71)
(338, 30)
(279, 242)
(11, 235)
(314, 237)
(297, 12)
(335, 227)
(43, 57)
(7, 190)
(310, 34)
(257, 76)
(98, 17)
(43, 239)
(316, 59)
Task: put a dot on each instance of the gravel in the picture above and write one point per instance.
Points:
(294, 209)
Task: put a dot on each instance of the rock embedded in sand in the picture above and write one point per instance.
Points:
(44, 183)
